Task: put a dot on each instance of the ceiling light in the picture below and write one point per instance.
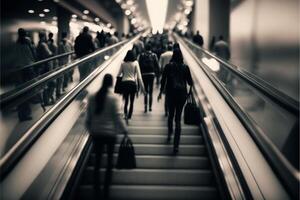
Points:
(123, 6)
(42, 15)
(74, 16)
(86, 12)
(109, 25)
(31, 11)
(127, 12)
(133, 8)
(43, 22)
(46, 10)
(54, 23)
(54, 18)
(133, 21)
(118, 1)
(189, 3)
(40, 0)
(187, 11)
(73, 19)
(130, 2)
(84, 17)
(56, 1)
(97, 19)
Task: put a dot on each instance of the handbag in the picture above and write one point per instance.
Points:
(192, 114)
(126, 157)
(118, 86)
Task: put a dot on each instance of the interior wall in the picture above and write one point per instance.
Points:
(264, 39)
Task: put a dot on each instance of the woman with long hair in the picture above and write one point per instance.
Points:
(103, 123)
(131, 75)
(175, 77)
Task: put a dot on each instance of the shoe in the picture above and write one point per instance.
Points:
(150, 109)
(145, 110)
(175, 150)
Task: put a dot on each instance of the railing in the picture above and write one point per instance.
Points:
(88, 66)
(270, 117)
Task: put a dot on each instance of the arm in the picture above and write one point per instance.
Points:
(119, 123)
(139, 76)
(120, 70)
(163, 79)
(189, 76)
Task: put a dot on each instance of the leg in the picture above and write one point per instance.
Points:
(146, 85)
(179, 108)
(166, 106)
(126, 98)
(171, 107)
(98, 151)
(109, 166)
(150, 91)
(132, 95)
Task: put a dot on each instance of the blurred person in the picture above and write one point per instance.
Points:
(101, 39)
(163, 61)
(130, 69)
(103, 122)
(212, 43)
(83, 46)
(65, 46)
(176, 76)
(25, 55)
(150, 69)
(44, 52)
(139, 46)
(197, 39)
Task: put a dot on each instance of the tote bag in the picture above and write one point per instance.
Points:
(126, 157)
(192, 114)
(118, 86)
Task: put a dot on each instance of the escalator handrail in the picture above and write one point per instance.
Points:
(10, 159)
(13, 70)
(274, 94)
(286, 173)
(14, 94)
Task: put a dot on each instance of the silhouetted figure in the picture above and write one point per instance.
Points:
(130, 69)
(103, 122)
(24, 54)
(176, 76)
(101, 37)
(221, 48)
(163, 61)
(149, 69)
(44, 52)
(83, 46)
(212, 43)
(197, 39)
(65, 46)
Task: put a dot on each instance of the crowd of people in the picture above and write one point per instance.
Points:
(152, 57)
(27, 53)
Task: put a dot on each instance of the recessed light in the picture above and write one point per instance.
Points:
(42, 15)
(123, 6)
(56, 1)
(31, 11)
(118, 1)
(127, 12)
(46, 10)
(74, 16)
(109, 25)
(97, 19)
(84, 17)
(130, 2)
(43, 22)
(86, 12)
(54, 18)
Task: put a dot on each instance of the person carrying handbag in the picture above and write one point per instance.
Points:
(103, 123)
(131, 74)
(175, 77)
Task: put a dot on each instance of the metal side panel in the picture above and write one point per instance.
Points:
(260, 178)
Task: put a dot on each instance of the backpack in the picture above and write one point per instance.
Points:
(147, 63)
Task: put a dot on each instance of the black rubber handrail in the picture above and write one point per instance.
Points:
(9, 160)
(14, 70)
(286, 173)
(275, 95)
(10, 96)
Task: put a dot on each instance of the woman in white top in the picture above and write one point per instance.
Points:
(103, 122)
(131, 73)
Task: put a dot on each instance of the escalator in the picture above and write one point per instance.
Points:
(230, 155)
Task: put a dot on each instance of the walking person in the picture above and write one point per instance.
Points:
(44, 52)
(163, 61)
(84, 45)
(149, 69)
(175, 77)
(24, 54)
(103, 122)
(198, 39)
(131, 75)
(65, 46)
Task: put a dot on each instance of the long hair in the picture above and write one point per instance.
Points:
(130, 56)
(177, 56)
(102, 93)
